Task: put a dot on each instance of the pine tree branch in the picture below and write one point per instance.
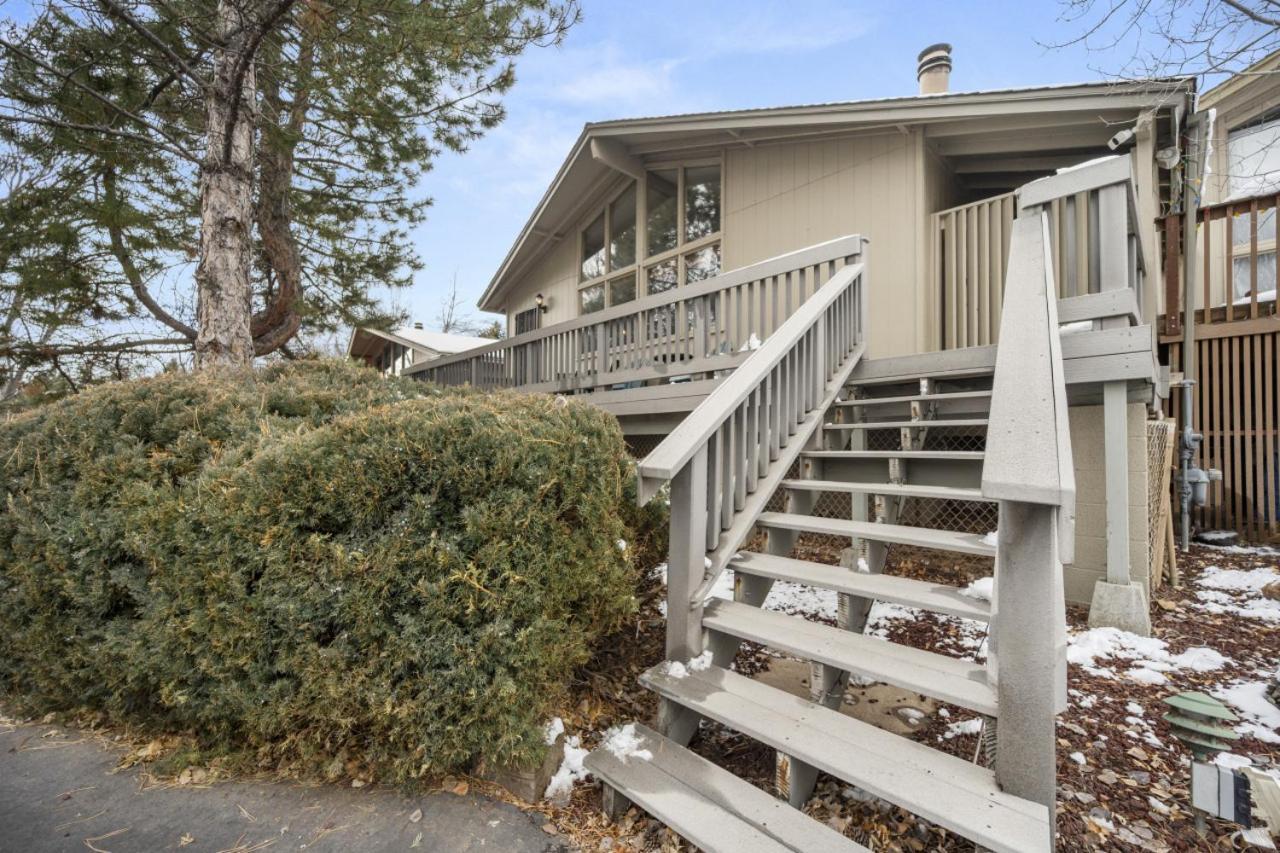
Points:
(123, 14)
(66, 78)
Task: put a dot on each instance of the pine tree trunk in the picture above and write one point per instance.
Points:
(225, 295)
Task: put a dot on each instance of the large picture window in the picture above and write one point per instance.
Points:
(650, 236)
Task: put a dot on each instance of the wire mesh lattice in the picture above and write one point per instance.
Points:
(1160, 440)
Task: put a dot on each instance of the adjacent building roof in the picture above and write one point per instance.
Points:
(605, 149)
(366, 341)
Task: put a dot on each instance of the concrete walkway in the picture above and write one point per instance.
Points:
(58, 792)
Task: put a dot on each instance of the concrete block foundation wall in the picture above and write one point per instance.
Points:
(1091, 506)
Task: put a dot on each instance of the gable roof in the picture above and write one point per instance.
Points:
(605, 149)
(436, 343)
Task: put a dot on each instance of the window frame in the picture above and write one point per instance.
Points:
(640, 267)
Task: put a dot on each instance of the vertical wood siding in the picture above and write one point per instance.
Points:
(1237, 407)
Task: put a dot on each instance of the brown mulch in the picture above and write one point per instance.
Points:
(1130, 794)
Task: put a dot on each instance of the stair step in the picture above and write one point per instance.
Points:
(954, 455)
(915, 398)
(935, 375)
(938, 598)
(962, 683)
(921, 424)
(710, 806)
(905, 490)
(940, 788)
(896, 534)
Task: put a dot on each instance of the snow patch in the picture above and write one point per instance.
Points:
(553, 730)
(981, 589)
(992, 539)
(701, 663)
(1261, 719)
(1150, 657)
(1238, 592)
(624, 743)
(571, 771)
(963, 727)
(787, 597)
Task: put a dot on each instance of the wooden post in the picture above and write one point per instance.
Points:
(1115, 437)
(686, 558)
(1172, 288)
(1030, 647)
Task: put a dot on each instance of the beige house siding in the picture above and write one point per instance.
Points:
(1087, 447)
(555, 276)
(779, 198)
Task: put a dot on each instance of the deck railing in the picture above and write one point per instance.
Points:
(727, 457)
(1087, 208)
(700, 328)
(1236, 265)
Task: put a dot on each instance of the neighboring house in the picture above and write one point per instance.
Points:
(395, 352)
(1236, 397)
(865, 320)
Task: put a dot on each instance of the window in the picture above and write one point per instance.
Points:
(622, 289)
(528, 321)
(701, 202)
(593, 249)
(663, 213)
(622, 230)
(1253, 163)
(592, 298)
(652, 235)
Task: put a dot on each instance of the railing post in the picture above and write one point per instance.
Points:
(1028, 651)
(475, 372)
(686, 560)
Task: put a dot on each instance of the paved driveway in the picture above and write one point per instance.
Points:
(58, 792)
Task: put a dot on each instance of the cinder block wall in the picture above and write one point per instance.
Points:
(1091, 501)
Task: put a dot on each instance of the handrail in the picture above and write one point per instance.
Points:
(1028, 452)
(643, 334)
(1028, 469)
(681, 443)
(730, 454)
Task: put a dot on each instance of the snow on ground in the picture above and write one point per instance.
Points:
(787, 597)
(1259, 718)
(1238, 592)
(571, 771)
(964, 638)
(1148, 658)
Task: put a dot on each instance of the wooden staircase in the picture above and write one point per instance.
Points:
(811, 735)
(796, 420)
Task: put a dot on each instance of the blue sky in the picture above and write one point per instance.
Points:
(652, 58)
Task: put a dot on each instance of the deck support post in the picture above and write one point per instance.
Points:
(686, 556)
(1028, 650)
(1119, 601)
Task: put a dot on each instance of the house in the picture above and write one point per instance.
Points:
(1234, 330)
(909, 323)
(395, 352)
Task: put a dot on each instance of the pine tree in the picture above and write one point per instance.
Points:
(238, 170)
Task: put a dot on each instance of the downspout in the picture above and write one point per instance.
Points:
(1193, 482)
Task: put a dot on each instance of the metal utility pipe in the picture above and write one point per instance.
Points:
(1192, 177)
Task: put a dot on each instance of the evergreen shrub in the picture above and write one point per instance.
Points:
(313, 562)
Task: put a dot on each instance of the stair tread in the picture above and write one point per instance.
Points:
(936, 375)
(962, 455)
(962, 683)
(938, 598)
(899, 534)
(710, 806)
(941, 788)
(935, 422)
(955, 493)
(915, 398)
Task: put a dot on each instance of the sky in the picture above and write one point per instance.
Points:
(657, 57)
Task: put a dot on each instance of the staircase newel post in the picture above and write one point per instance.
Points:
(1027, 654)
(686, 568)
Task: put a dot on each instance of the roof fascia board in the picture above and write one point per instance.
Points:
(917, 109)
